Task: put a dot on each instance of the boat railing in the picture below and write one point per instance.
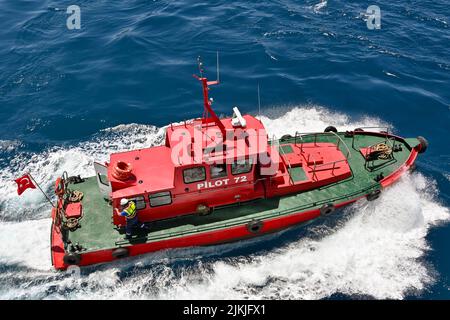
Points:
(382, 129)
(371, 147)
(339, 140)
(314, 170)
(317, 167)
(390, 141)
(328, 164)
(287, 160)
(315, 135)
(343, 142)
(385, 128)
(301, 138)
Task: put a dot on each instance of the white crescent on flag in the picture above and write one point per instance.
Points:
(24, 183)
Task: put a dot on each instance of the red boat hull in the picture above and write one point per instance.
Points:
(209, 238)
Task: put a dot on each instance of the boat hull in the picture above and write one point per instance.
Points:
(235, 232)
(227, 235)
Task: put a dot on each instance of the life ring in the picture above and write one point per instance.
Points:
(122, 170)
(120, 253)
(59, 187)
(373, 195)
(72, 259)
(327, 209)
(255, 226)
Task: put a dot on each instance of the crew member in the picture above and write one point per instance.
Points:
(131, 215)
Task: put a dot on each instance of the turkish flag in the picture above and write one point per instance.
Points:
(24, 183)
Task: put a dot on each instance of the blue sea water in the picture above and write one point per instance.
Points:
(69, 97)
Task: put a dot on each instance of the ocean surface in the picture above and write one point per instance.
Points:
(69, 97)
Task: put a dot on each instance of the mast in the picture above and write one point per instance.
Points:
(207, 103)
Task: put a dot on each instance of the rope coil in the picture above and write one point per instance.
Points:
(381, 151)
(76, 196)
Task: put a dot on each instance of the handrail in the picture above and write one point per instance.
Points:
(289, 164)
(389, 139)
(366, 153)
(315, 134)
(295, 141)
(386, 131)
(376, 127)
(348, 150)
(314, 169)
(331, 162)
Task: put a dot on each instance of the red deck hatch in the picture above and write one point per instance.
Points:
(73, 210)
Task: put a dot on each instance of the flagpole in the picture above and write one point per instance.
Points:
(46, 196)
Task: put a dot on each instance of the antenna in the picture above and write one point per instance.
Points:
(259, 104)
(218, 73)
(200, 66)
(207, 103)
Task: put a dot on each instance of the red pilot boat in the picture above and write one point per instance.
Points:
(220, 180)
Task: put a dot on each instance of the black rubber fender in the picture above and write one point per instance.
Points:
(373, 195)
(203, 210)
(255, 226)
(358, 130)
(120, 253)
(330, 129)
(72, 259)
(423, 144)
(327, 209)
(286, 137)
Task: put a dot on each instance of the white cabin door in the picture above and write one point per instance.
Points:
(101, 172)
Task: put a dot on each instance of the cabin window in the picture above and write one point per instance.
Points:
(218, 171)
(241, 166)
(139, 201)
(194, 174)
(160, 199)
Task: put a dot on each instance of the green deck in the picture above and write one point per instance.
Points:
(297, 174)
(98, 232)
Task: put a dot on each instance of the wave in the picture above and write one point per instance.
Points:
(319, 6)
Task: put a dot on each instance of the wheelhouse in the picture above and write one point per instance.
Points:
(171, 180)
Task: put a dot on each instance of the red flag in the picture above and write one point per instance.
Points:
(23, 183)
